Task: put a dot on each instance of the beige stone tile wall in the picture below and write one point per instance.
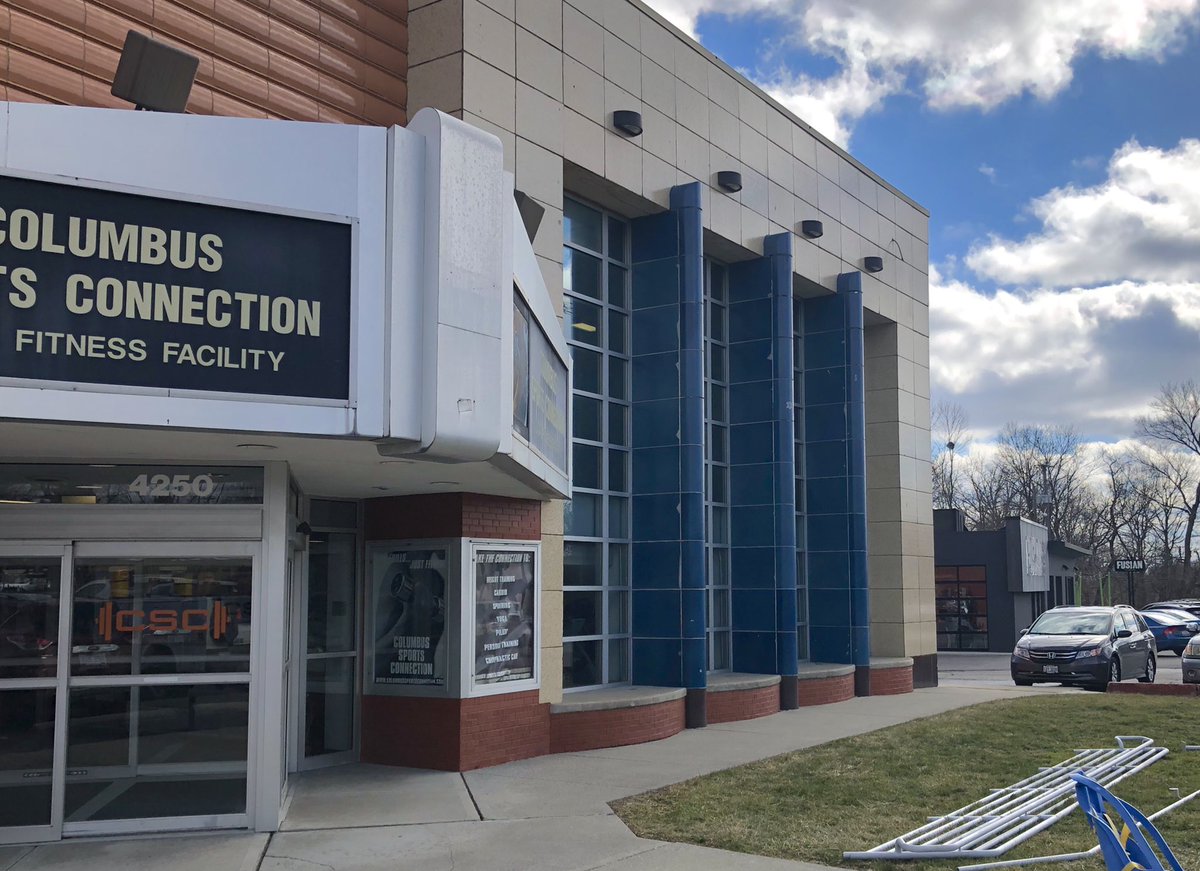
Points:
(546, 75)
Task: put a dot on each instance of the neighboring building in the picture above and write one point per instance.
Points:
(991, 584)
(283, 461)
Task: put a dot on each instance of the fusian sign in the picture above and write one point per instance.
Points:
(1130, 565)
(103, 287)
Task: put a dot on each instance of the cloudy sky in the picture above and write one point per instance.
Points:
(1056, 144)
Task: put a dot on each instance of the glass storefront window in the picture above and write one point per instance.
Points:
(152, 616)
(962, 607)
(596, 553)
(157, 751)
(716, 497)
(29, 605)
(26, 756)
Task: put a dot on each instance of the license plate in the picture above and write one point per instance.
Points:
(1050, 669)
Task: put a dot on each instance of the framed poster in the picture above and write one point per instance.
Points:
(505, 585)
(410, 619)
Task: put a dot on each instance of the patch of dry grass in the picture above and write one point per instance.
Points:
(853, 794)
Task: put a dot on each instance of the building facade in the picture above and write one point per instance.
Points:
(528, 426)
(993, 583)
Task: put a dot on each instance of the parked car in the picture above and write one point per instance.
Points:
(1085, 646)
(1191, 661)
(1192, 606)
(1172, 629)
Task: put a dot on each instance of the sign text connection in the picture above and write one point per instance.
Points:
(1130, 565)
(103, 287)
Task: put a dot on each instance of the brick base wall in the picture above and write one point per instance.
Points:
(453, 515)
(591, 730)
(1156, 689)
(734, 705)
(891, 681)
(454, 734)
(826, 690)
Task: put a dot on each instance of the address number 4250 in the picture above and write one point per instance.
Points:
(179, 486)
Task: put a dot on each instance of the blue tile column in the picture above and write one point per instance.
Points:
(667, 357)
(835, 477)
(761, 466)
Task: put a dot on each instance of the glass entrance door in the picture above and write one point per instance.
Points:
(33, 620)
(159, 687)
(331, 648)
(125, 678)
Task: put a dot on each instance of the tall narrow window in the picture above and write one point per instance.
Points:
(596, 551)
(798, 421)
(716, 390)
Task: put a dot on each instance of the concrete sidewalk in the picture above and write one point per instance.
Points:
(546, 813)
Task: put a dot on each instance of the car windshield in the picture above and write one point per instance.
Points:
(1067, 623)
(1170, 616)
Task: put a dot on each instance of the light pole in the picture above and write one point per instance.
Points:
(950, 448)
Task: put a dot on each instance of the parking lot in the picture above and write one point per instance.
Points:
(991, 669)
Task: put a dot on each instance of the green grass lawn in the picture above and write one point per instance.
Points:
(859, 792)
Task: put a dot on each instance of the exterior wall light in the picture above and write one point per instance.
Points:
(812, 229)
(153, 75)
(729, 180)
(628, 121)
(873, 264)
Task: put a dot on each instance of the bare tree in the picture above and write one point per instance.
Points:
(948, 431)
(1174, 422)
(1044, 475)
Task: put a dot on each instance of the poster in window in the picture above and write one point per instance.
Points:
(408, 640)
(505, 597)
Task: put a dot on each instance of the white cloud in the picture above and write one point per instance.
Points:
(1090, 357)
(1141, 223)
(988, 171)
(958, 53)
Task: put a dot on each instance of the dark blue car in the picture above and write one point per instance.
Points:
(1172, 628)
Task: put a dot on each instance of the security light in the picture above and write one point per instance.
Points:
(729, 180)
(153, 75)
(628, 121)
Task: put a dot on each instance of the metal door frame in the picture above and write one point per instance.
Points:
(301, 658)
(135, 549)
(53, 831)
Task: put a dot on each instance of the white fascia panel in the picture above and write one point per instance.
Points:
(464, 281)
(292, 167)
(406, 269)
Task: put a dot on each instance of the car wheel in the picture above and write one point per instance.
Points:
(1151, 669)
(1022, 683)
(1114, 671)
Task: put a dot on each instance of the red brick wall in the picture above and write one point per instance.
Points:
(497, 729)
(1156, 689)
(454, 734)
(306, 60)
(728, 707)
(891, 681)
(412, 732)
(501, 517)
(591, 730)
(453, 515)
(826, 690)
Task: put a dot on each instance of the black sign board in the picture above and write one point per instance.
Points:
(103, 287)
(1130, 565)
(505, 595)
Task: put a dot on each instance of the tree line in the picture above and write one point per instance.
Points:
(1135, 500)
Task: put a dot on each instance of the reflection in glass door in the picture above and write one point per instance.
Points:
(331, 638)
(32, 621)
(158, 704)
